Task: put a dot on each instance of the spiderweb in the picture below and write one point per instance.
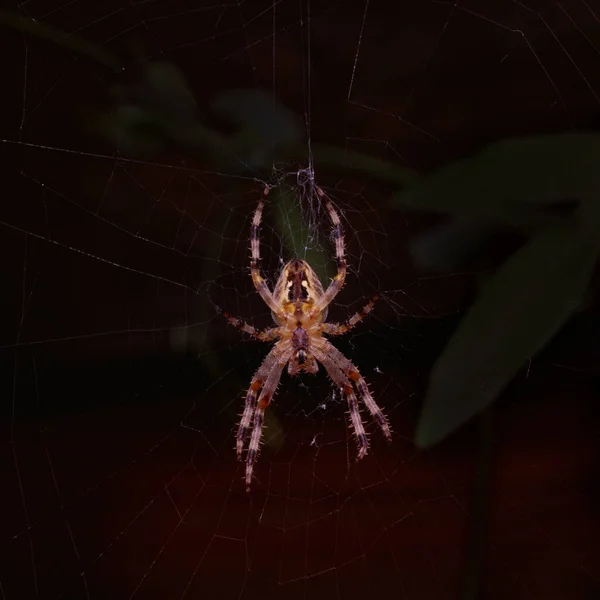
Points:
(121, 384)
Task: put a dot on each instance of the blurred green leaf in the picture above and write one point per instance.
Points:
(59, 37)
(132, 130)
(153, 107)
(509, 179)
(164, 89)
(518, 311)
(265, 126)
(157, 108)
(443, 247)
(370, 165)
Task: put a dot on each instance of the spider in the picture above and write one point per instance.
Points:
(299, 307)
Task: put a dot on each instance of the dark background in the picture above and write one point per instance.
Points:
(120, 386)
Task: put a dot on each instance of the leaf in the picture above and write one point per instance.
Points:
(164, 90)
(70, 42)
(509, 179)
(445, 246)
(132, 130)
(370, 165)
(154, 106)
(264, 126)
(518, 311)
(267, 130)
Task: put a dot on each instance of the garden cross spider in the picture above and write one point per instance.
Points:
(299, 307)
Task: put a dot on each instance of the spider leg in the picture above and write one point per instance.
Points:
(268, 335)
(246, 419)
(267, 377)
(338, 281)
(340, 328)
(251, 398)
(357, 423)
(344, 384)
(349, 370)
(257, 279)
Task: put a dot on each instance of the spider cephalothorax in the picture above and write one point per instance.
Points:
(299, 308)
(296, 291)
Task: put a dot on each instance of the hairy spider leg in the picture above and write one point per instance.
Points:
(338, 281)
(340, 328)
(251, 397)
(343, 383)
(268, 335)
(348, 368)
(273, 365)
(259, 283)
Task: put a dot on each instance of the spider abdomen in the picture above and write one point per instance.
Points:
(297, 290)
